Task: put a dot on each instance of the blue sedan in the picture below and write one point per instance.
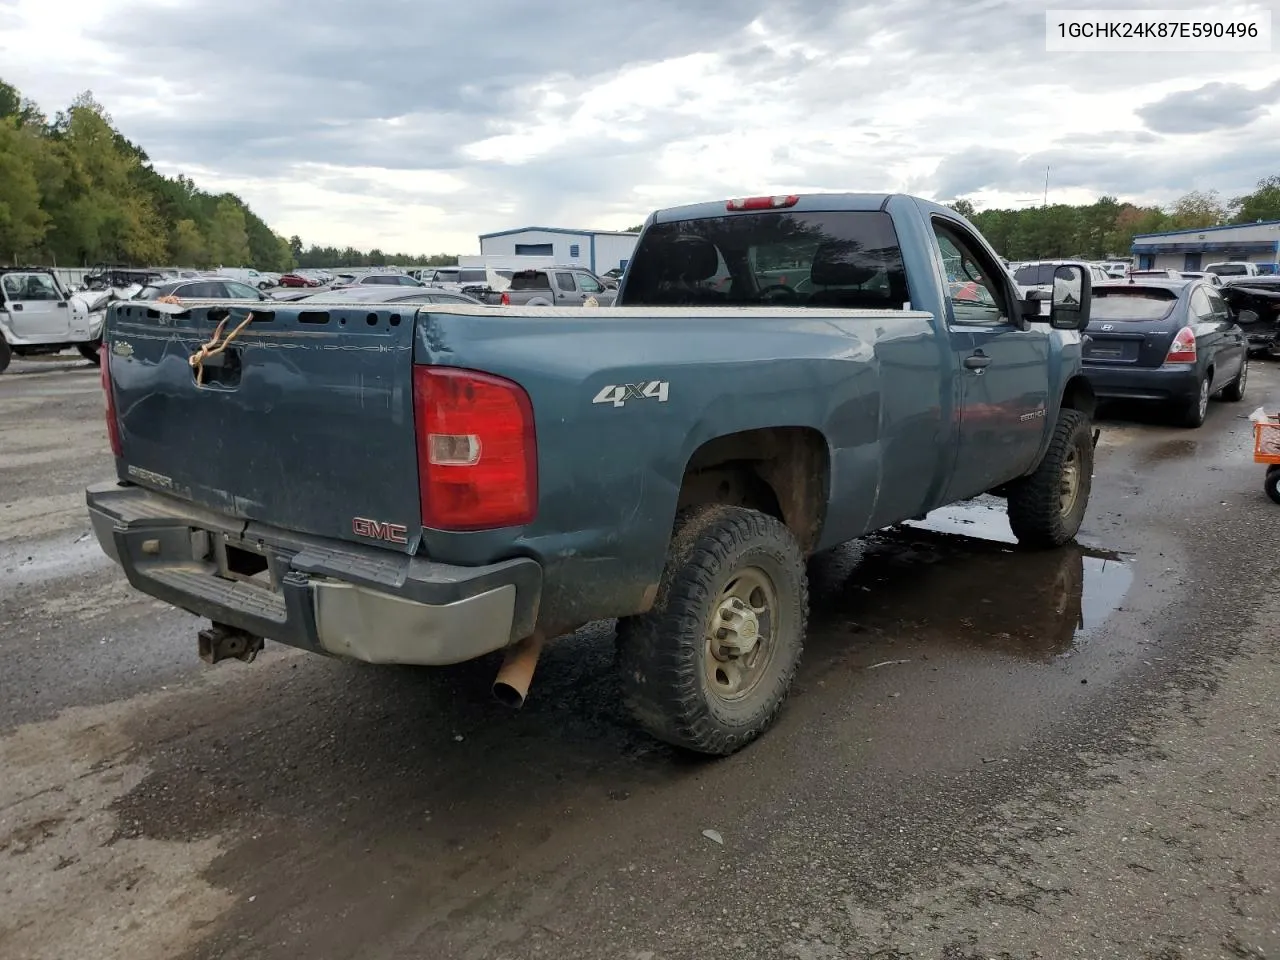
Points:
(1171, 342)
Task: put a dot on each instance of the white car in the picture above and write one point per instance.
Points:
(1233, 268)
(38, 316)
(254, 278)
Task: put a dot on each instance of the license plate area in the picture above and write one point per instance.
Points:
(1117, 351)
(241, 560)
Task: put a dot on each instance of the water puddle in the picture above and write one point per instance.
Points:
(957, 577)
(1174, 449)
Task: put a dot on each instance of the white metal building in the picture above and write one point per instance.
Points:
(1194, 249)
(598, 250)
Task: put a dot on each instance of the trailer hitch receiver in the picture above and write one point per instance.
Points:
(222, 642)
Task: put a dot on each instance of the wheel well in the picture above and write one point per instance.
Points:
(781, 471)
(1078, 395)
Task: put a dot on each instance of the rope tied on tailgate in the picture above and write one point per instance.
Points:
(216, 344)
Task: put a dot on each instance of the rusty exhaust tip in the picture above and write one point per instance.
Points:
(511, 685)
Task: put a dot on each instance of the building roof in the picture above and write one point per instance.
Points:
(575, 233)
(1199, 230)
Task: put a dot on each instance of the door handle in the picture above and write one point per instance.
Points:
(977, 361)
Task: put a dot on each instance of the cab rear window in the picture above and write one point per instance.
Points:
(530, 280)
(835, 259)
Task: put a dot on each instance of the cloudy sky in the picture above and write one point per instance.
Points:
(415, 126)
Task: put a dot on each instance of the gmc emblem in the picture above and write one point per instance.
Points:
(377, 530)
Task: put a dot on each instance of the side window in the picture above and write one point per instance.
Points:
(241, 291)
(587, 283)
(973, 279)
(1201, 309)
(565, 282)
(1218, 304)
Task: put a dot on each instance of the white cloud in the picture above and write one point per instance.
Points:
(414, 130)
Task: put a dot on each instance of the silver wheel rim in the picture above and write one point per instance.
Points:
(741, 634)
(1204, 396)
(1243, 378)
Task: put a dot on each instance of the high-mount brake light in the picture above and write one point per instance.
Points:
(477, 450)
(1183, 348)
(113, 425)
(762, 203)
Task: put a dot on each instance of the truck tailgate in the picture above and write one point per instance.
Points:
(305, 421)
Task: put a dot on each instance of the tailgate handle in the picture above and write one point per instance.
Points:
(977, 361)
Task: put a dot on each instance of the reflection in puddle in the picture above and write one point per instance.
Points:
(936, 584)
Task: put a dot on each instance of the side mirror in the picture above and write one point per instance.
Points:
(1069, 303)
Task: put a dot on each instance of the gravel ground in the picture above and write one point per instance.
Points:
(987, 753)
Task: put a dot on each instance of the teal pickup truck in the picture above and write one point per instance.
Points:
(428, 485)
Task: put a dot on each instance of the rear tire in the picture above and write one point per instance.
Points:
(1193, 412)
(1272, 483)
(1047, 508)
(6, 354)
(1234, 391)
(90, 351)
(709, 666)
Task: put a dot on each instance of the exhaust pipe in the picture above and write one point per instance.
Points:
(511, 685)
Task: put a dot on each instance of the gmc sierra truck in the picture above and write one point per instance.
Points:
(433, 484)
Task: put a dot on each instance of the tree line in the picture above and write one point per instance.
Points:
(74, 192)
(1106, 228)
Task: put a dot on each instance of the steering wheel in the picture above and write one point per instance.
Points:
(773, 287)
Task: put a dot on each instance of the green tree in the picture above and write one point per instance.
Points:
(186, 245)
(228, 235)
(962, 207)
(1199, 208)
(23, 223)
(1262, 204)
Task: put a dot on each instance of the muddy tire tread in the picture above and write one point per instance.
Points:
(1034, 501)
(658, 651)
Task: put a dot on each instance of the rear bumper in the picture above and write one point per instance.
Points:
(321, 595)
(1169, 383)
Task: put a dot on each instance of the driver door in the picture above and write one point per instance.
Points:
(1003, 372)
(38, 311)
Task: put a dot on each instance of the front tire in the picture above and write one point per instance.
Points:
(709, 666)
(90, 351)
(1047, 508)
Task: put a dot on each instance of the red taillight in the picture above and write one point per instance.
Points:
(113, 428)
(762, 203)
(1183, 348)
(506, 299)
(477, 451)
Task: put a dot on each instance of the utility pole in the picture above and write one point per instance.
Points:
(1046, 186)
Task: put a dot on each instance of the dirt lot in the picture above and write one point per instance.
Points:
(987, 753)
